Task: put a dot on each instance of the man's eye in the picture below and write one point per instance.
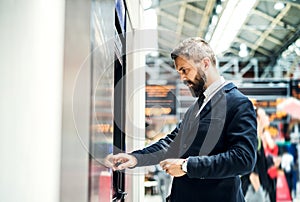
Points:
(183, 71)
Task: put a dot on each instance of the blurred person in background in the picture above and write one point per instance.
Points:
(215, 142)
(270, 150)
(258, 185)
(287, 163)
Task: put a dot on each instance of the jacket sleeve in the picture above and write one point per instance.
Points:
(239, 153)
(158, 151)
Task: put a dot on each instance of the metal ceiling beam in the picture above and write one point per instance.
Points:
(270, 18)
(234, 51)
(295, 4)
(259, 33)
(167, 15)
(293, 67)
(167, 4)
(195, 9)
(176, 2)
(206, 16)
(288, 42)
(253, 47)
(180, 20)
(175, 19)
(253, 63)
(275, 22)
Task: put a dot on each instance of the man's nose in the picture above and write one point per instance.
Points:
(182, 77)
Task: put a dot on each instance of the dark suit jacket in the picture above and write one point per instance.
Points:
(220, 144)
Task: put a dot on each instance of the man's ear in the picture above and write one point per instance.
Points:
(206, 62)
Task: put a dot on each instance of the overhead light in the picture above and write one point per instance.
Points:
(243, 50)
(214, 20)
(279, 6)
(291, 47)
(219, 9)
(231, 20)
(297, 43)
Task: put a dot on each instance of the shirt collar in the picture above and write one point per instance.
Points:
(213, 87)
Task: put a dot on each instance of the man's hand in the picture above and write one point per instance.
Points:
(173, 167)
(120, 161)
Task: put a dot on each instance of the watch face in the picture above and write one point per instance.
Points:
(184, 166)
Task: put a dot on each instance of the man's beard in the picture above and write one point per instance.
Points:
(197, 87)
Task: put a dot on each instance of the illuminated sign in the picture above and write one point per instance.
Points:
(160, 100)
(279, 115)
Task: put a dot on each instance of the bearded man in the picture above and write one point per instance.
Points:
(213, 145)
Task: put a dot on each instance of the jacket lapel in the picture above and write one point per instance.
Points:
(190, 129)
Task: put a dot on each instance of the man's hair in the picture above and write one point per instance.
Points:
(194, 48)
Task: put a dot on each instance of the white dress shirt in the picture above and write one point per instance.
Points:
(211, 91)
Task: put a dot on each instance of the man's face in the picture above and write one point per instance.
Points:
(191, 75)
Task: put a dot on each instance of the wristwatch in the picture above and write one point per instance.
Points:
(184, 165)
